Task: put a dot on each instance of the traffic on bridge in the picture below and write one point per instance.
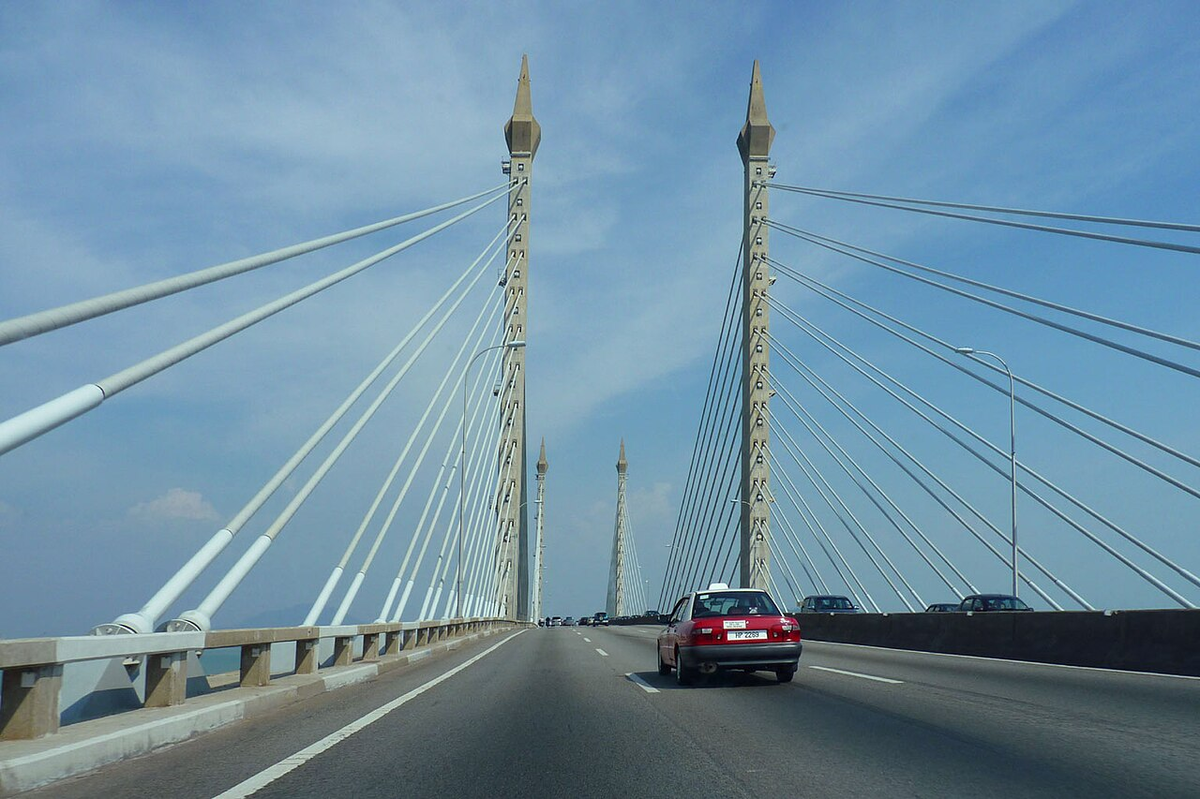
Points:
(582, 711)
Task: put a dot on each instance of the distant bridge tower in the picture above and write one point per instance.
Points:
(615, 606)
(540, 546)
(754, 144)
(523, 134)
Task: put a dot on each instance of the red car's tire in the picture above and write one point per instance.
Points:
(683, 676)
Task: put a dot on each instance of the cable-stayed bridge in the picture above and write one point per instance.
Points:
(824, 462)
(627, 588)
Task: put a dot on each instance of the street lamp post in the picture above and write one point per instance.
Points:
(462, 472)
(1012, 426)
(751, 504)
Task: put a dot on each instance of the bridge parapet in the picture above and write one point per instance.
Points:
(1161, 641)
(32, 668)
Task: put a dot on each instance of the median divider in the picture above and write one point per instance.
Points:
(36, 747)
(1162, 641)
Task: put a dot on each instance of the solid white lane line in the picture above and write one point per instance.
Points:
(603, 654)
(265, 777)
(856, 674)
(640, 683)
(589, 640)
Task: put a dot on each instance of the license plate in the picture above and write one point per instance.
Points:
(747, 635)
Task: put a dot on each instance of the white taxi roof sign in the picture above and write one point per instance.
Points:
(717, 586)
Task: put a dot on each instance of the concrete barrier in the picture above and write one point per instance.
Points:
(27, 761)
(1165, 641)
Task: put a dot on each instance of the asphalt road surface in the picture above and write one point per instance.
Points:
(582, 712)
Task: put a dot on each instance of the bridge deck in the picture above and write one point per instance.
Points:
(546, 714)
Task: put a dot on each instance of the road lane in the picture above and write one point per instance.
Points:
(954, 725)
(545, 716)
(549, 714)
(209, 764)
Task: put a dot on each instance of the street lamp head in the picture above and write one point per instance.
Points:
(965, 350)
(515, 344)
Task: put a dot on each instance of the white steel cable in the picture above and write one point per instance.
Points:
(1162, 245)
(1161, 586)
(822, 290)
(387, 524)
(438, 489)
(484, 527)
(144, 619)
(942, 484)
(788, 534)
(836, 246)
(482, 444)
(479, 439)
(787, 492)
(487, 531)
(1104, 220)
(453, 523)
(793, 404)
(202, 615)
(35, 324)
(39, 420)
(792, 316)
(319, 605)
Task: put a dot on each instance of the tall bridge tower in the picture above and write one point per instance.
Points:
(615, 605)
(754, 144)
(522, 133)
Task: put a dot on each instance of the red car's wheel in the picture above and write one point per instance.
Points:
(683, 675)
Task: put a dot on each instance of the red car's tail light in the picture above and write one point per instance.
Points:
(707, 635)
(786, 630)
(790, 629)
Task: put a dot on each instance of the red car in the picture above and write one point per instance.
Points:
(726, 628)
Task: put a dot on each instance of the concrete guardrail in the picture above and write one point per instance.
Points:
(33, 667)
(1165, 641)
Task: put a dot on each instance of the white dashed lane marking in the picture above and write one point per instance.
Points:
(640, 683)
(603, 654)
(856, 674)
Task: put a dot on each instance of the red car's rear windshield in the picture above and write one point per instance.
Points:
(733, 603)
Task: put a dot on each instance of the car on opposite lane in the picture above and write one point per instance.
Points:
(827, 603)
(724, 628)
(992, 603)
(943, 607)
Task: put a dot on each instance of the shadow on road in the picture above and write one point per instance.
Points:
(722, 679)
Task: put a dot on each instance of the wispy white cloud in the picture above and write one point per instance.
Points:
(178, 504)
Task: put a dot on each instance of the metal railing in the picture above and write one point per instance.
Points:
(32, 668)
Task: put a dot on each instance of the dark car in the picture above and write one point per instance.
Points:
(584, 621)
(943, 607)
(827, 603)
(992, 603)
(728, 629)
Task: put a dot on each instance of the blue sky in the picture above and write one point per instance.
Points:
(146, 140)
